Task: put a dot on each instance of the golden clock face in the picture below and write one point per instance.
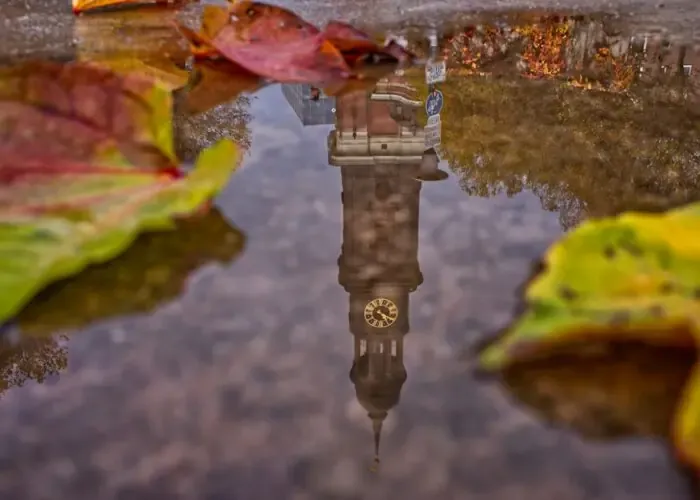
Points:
(381, 313)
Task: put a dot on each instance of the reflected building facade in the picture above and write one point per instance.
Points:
(379, 149)
(310, 112)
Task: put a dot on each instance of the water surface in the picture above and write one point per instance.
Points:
(229, 359)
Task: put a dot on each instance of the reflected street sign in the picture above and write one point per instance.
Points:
(434, 102)
(433, 120)
(435, 72)
(433, 132)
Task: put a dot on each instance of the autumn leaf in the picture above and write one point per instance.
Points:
(217, 82)
(153, 271)
(80, 6)
(352, 43)
(303, 60)
(356, 45)
(261, 22)
(633, 276)
(629, 278)
(276, 44)
(200, 46)
(76, 184)
(81, 112)
(58, 217)
(214, 18)
(167, 74)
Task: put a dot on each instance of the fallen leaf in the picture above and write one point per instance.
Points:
(274, 43)
(151, 272)
(70, 192)
(627, 277)
(302, 60)
(168, 75)
(261, 22)
(214, 18)
(217, 82)
(356, 45)
(634, 278)
(200, 45)
(80, 6)
(82, 112)
(57, 217)
(352, 43)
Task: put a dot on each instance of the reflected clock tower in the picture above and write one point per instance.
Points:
(380, 151)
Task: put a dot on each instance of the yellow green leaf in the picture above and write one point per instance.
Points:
(630, 278)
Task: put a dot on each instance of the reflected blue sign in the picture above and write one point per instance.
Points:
(433, 104)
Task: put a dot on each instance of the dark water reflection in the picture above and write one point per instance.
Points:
(200, 367)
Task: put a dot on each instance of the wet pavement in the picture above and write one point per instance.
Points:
(231, 359)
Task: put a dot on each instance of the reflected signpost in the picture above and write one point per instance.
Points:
(433, 129)
(435, 72)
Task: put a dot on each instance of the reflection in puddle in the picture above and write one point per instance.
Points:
(380, 152)
(628, 390)
(571, 109)
(558, 133)
(152, 271)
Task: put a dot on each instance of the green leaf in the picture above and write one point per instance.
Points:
(41, 241)
(152, 271)
(635, 277)
(86, 163)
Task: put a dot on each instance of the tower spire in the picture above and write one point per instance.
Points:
(377, 421)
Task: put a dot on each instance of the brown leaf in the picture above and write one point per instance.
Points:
(218, 82)
(200, 45)
(80, 6)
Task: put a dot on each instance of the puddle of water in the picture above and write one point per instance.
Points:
(237, 356)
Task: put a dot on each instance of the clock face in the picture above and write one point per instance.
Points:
(381, 313)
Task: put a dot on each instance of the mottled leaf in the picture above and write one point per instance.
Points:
(82, 112)
(57, 217)
(629, 278)
(634, 276)
(86, 162)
